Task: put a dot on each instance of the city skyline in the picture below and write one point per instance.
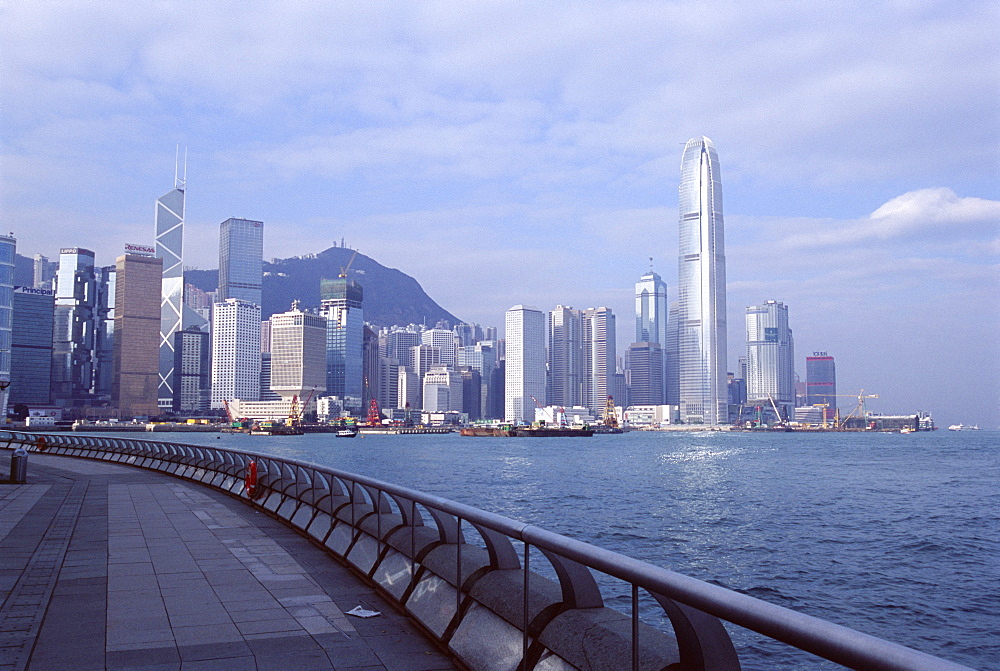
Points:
(537, 160)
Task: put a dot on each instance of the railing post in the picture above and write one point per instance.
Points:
(524, 619)
(635, 627)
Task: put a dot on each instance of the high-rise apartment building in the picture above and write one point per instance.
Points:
(136, 355)
(341, 305)
(79, 333)
(169, 246)
(31, 346)
(770, 357)
(525, 363)
(701, 287)
(235, 352)
(821, 382)
(566, 357)
(241, 260)
(399, 344)
(8, 252)
(298, 355)
(443, 339)
(600, 357)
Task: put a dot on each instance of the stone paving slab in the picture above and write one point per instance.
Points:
(104, 566)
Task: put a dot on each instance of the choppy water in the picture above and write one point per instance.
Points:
(894, 535)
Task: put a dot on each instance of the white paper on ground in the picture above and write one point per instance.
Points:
(358, 611)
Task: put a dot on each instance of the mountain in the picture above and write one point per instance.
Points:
(390, 296)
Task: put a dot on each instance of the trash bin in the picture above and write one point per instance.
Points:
(19, 466)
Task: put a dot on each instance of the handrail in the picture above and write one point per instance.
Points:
(691, 604)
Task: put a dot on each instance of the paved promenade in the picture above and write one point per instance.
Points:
(107, 566)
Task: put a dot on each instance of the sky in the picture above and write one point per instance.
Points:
(527, 152)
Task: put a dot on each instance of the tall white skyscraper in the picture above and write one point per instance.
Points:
(8, 249)
(298, 355)
(525, 366)
(170, 247)
(651, 309)
(701, 287)
(235, 352)
(443, 339)
(566, 357)
(770, 357)
(600, 357)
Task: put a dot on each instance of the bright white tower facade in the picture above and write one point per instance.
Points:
(170, 248)
(525, 367)
(701, 287)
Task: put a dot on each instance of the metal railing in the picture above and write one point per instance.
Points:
(379, 528)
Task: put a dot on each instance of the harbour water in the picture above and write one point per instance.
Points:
(894, 535)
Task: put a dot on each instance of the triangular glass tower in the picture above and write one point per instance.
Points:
(170, 248)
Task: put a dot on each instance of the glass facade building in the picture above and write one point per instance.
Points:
(566, 370)
(525, 363)
(31, 346)
(241, 260)
(192, 371)
(770, 357)
(701, 285)
(341, 305)
(8, 254)
(821, 382)
(169, 221)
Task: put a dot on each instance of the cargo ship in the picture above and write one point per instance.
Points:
(507, 431)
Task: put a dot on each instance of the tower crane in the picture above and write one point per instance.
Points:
(344, 270)
(859, 410)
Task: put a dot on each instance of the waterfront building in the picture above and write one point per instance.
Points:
(821, 382)
(79, 332)
(701, 286)
(671, 358)
(241, 260)
(770, 357)
(566, 357)
(169, 246)
(600, 357)
(8, 253)
(298, 355)
(443, 339)
(480, 357)
(473, 390)
(192, 371)
(341, 305)
(407, 389)
(442, 390)
(645, 367)
(235, 352)
(136, 354)
(31, 346)
(388, 383)
(525, 362)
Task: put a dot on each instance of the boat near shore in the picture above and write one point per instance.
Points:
(508, 431)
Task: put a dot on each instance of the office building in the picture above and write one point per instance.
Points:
(408, 389)
(31, 346)
(298, 356)
(671, 358)
(821, 382)
(525, 363)
(600, 357)
(566, 357)
(444, 340)
(770, 357)
(235, 352)
(136, 353)
(44, 272)
(399, 345)
(79, 332)
(8, 254)
(341, 305)
(651, 309)
(169, 246)
(442, 390)
(481, 358)
(241, 260)
(473, 390)
(370, 367)
(24, 268)
(701, 286)
(192, 371)
(645, 368)
(388, 383)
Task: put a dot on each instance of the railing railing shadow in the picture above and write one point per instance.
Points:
(465, 574)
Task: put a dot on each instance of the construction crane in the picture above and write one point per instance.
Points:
(539, 406)
(610, 414)
(344, 270)
(295, 413)
(859, 409)
(374, 414)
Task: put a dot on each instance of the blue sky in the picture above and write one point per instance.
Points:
(507, 153)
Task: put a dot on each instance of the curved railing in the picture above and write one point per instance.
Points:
(475, 595)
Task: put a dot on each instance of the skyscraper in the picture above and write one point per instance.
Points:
(31, 346)
(241, 260)
(651, 309)
(821, 382)
(8, 252)
(600, 358)
(566, 359)
(443, 339)
(298, 354)
(341, 305)
(701, 287)
(525, 363)
(169, 220)
(770, 357)
(645, 373)
(235, 352)
(192, 371)
(136, 355)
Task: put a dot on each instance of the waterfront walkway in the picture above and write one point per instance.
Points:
(109, 566)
